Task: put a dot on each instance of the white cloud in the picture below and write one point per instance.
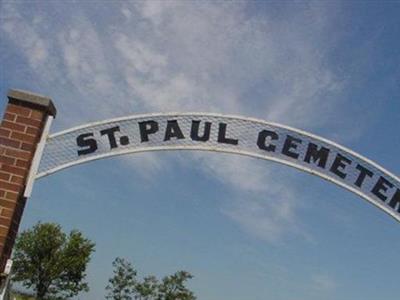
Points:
(85, 62)
(268, 219)
(213, 56)
(192, 56)
(244, 174)
(126, 12)
(323, 283)
(261, 200)
(34, 47)
(154, 10)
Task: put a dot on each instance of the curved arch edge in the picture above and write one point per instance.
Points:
(249, 129)
(243, 153)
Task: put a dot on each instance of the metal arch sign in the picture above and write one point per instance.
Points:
(222, 133)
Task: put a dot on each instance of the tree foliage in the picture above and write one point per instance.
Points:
(124, 285)
(173, 287)
(51, 262)
(121, 285)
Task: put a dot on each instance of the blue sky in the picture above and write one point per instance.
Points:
(246, 229)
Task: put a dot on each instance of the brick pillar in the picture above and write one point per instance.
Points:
(20, 132)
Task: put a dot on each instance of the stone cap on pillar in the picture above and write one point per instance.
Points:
(32, 100)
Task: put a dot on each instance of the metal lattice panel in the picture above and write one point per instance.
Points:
(376, 185)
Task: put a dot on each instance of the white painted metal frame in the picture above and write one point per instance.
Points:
(37, 156)
(233, 151)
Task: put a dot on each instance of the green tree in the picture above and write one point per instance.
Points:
(147, 289)
(173, 287)
(125, 285)
(51, 262)
(122, 285)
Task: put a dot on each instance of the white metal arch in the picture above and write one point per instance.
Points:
(229, 134)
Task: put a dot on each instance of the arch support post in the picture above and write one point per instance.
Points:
(23, 132)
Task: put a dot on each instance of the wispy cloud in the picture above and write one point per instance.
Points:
(191, 56)
(267, 219)
(29, 41)
(323, 283)
(83, 58)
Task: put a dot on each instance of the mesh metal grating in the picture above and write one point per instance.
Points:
(61, 150)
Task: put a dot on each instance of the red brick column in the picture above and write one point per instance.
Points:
(20, 131)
